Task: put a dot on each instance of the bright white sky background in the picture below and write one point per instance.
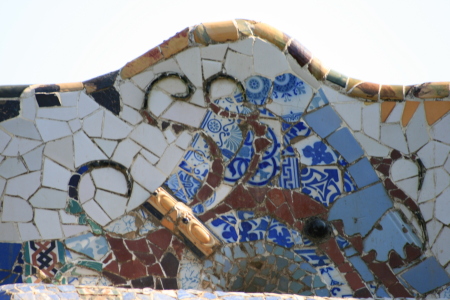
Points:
(383, 41)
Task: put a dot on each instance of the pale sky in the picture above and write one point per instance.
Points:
(383, 41)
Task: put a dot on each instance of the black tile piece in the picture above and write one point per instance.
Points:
(12, 91)
(109, 98)
(169, 283)
(158, 285)
(299, 53)
(170, 264)
(47, 100)
(74, 180)
(115, 279)
(153, 210)
(51, 88)
(103, 81)
(73, 193)
(164, 125)
(9, 109)
(144, 282)
(191, 246)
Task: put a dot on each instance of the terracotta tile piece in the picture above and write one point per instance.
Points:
(141, 63)
(222, 31)
(155, 270)
(386, 109)
(434, 110)
(408, 111)
(303, 206)
(147, 258)
(175, 44)
(139, 245)
(240, 198)
(133, 269)
(284, 214)
(391, 92)
(276, 196)
(161, 238)
(122, 254)
(354, 280)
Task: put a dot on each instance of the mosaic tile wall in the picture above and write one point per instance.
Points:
(228, 158)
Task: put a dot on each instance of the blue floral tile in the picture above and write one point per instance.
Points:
(331, 276)
(343, 291)
(313, 151)
(313, 258)
(349, 185)
(253, 230)
(230, 218)
(299, 129)
(319, 100)
(183, 185)
(245, 215)
(257, 89)
(289, 176)
(200, 146)
(279, 234)
(123, 225)
(88, 244)
(239, 164)
(195, 164)
(233, 104)
(224, 230)
(323, 184)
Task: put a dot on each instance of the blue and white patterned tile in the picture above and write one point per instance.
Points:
(290, 97)
(313, 258)
(324, 184)
(279, 234)
(257, 89)
(189, 275)
(245, 215)
(89, 280)
(299, 129)
(88, 244)
(313, 151)
(224, 227)
(342, 243)
(297, 237)
(198, 209)
(183, 185)
(349, 185)
(266, 114)
(342, 291)
(195, 164)
(331, 276)
(290, 173)
(253, 230)
(146, 228)
(123, 225)
(318, 100)
(225, 132)
(199, 145)
(239, 164)
(234, 104)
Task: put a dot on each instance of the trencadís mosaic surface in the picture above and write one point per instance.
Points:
(228, 158)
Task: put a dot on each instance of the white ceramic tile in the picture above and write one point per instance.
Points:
(52, 130)
(396, 114)
(20, 146)
(416, 132)
(9, 232)
(149, 156)
(2, 185)
(49, 198)
(303, 73)
(86, 105)
(439, 131)
(442, 207)
(427, 191)
(170, 136)
(131, 95)
(58, 113)
(142, 80)
(222, 88)
(110, 179)
(107, 146)
(372, 147)
(170, 159)
(440, 248)
(427, 210)
(92, 124)
(169, 65)
(33, 159)
(69, 98)
(21, 127)
(171, 86)
(125, 152)
(11, 167)
(67, 218)
(184, 140)
(130, 115)
(147, 175)
(114, 128)
(138, 196)
(190, 63)
(113, 204)
(28, 232)
(239, 65)
(403, 168)
(55, 176)
(185, 113)
(71, 230)
(371, 120)
(158, 102)
(24, 185)
(197, 98)
(4, 140)
(392, 136)
(447, 165)
(48, 224)
(29, 108)
(351, 113)
(409, 186)
(85, 150)
(434, 154)
(96, 212)
(221, 192)
(269, 61)
(61, 151)
(211, 67)
(214, 52)
(243, 46)
(15, 209)
(75, 125)
(433, 229)
(86, 188)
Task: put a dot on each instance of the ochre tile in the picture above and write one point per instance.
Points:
(175, 44)
(200, 35)
(386, 109)
(141, 63)
(317, 69)
(222, 31)
(366, 90)
(408, 111)
(270, 34)
(391, 92)
(70, 87)
(351, 83)
(434, 110)
(244, 27)
(432, 90)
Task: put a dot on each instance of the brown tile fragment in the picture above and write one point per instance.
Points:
(122, 254)
(158, 252)
(147, 258)
(351, 83)
(386, 109)
(408, 111)
(331, 248)
(115, 279)
(155, 270)
(139, 245)
(434, 110)
(270, 206)
(240, 198)
(369, 257)
(222, 31)
(284, 214)
(395, 261)
(178, 246)
(303, 206)
(412, 252)
(214, 180)
(169, 283)
(160, 238)
(395, 154)
(217, 167)
(141, 63)
(112, 267)
(345, 268)
(366, 90)
(398, 291)
(133, 269)
(357, 242)
(354, 281)
(391, 92)
(384, 273)
(170, 265)
(204, 193)
(276, 196)
(261, 144)
(175, 44)
(362, 293)
(258, 193)
(144, 282)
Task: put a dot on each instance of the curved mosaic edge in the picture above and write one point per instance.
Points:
(233, 30)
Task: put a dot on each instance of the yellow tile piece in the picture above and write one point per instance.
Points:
(391, 92)
(386, 109)
(317, 69)
(366, 90)
(222, 31)
(70, 87)
(244, 27)
(270, 34)
(141, 63)
(351, 83)
(168, 224)
(434, 110)
(408, 111)
(175, 44)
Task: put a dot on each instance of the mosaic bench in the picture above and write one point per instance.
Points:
(228, 158)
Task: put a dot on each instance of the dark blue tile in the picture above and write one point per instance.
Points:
(4, 295)
(426, 276)
(344, 142)
(363, 173)
(323, 121)
(8, 254)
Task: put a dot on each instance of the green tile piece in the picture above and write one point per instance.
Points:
(317, 283)
(298, 274)
(82, 219)
(296, 286)
(74, 207)
(96, 229)
(337, 78)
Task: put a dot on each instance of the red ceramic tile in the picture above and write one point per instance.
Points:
(214, 180)
(170, 265)
(270, 206)
(412, 205)
(223, 208)
(395, 154)
(108, 258)
(133, 269)
(252, 167)
(383, 272)
(217, 167)
(398, 194)
(362, 293)
(120, 251)
(276, 196)
(303, 206)
(178, 246)
(261, 144)
(207, 216)
(204, 193)
(177, 128)
(139, 245)
(283, 213)
(112, 267)
(161, 238)
(240, 198)
(331, 248)
(157, 251)
(258, 128)
(258, 193)
(395, 261)
(354, 280)
(384, 169)
(146, 258)
(398, 291)
(389, 185)
(345, 268)
(412, 252)
(370, 257)
(155, 270)
(357, 242)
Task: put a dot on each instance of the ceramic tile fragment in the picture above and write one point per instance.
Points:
(392, 136)
(114, 128)
(158, 142)
(21, 127)
(344, 142)
(113, 204)
(96, 213)
(9, 232)
(28, 232)
(170, 159)
(351, 113)
(370, 146)
(107, 146)
(110, 179)
(425, 284)
(92, 124)
(131, 95)
(15, 209)
(4, 140)
(85, 149)
(142, 80)
(139, 171)
(214, 52)
(403, 168)
(238, 65)
(55, 176)
(20, 146)
(409, 186)
(269, 61)
(396, 114)
(323, 121)
(138, 196)
(185, 113)
(61, 151)
(33, 159)
(24, 185)
(434, 228)
(433, 154)
(48, 224)
(442, 209)
(210, 68)
(363, 173)
(131, 115)
(190, 63)
(371, 120)
(11, 167)
(434, 110)
(416, 133)
(29, 108)
(51, 130)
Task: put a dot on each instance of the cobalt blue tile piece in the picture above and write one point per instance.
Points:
(245, 215)
(322, 183)
(279, 234)
(314, 152)
(323, 121)
(285, 126)
(289, 176)
(257, 89)
(299, 129)
(360, 210)
(198, 209)
(224, 230)
(8, 255)
(238, 166)
(363, 173)
(349, 185)
(265, 113)
(426, 276)
(344, 142)
(11, 279)
(4, 274)
(5, 296)
(342, 243)
(319, 100)
(362, 268)
(195, 163)
(312, 257)
(253, 230)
